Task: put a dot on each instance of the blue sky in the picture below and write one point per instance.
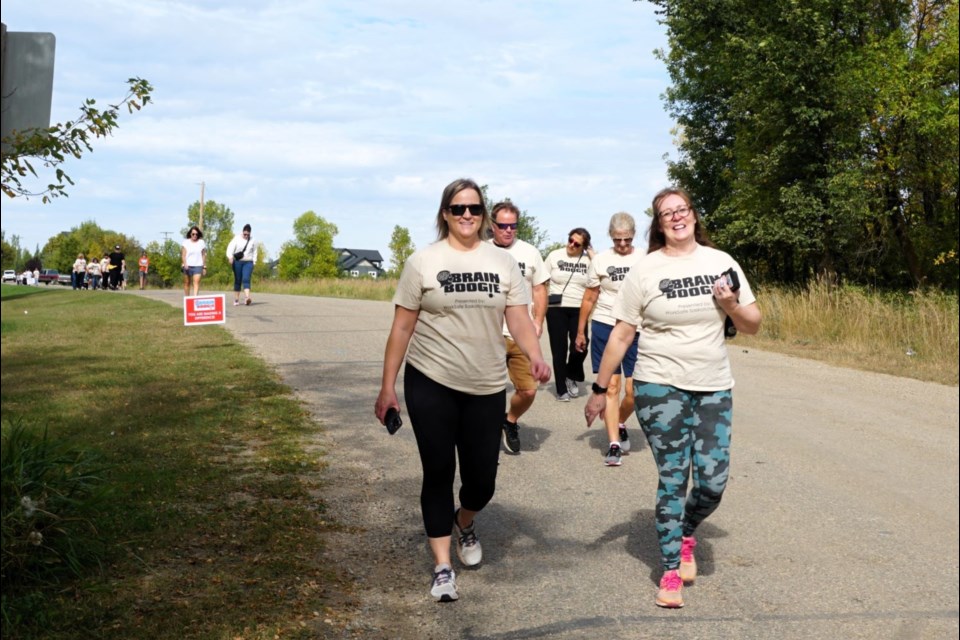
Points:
(359, 111)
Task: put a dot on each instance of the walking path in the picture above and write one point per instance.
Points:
(840, 519)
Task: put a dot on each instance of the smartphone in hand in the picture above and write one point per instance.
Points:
(392, 420)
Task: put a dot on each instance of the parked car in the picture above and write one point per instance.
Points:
(50, 276)
(9, 275)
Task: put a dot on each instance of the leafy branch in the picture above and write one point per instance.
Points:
(52, 146)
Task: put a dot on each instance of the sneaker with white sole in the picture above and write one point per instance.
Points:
(624, 439)
(670, 595)
(612, 459)
(468, 544)
(511, 437)
(443, 588)
(573, 388)
(688, 563)
(563, 397)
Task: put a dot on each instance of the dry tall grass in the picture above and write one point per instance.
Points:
(913, 335)
(356, 288)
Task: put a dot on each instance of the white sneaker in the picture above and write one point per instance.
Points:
(444, 585)
(572, 388)
(468, 544)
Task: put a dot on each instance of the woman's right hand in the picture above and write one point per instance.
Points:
(386, 400)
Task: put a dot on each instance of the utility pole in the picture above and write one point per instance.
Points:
(200, 224)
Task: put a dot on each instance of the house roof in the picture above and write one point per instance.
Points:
(364, 254)
(350, 258)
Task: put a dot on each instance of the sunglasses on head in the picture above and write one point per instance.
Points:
(460, 209)
(503, 226)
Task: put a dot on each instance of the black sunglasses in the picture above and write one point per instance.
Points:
(503, 226)
(460, 209)
(574, 243)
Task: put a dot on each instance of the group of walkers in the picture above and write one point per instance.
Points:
(468, 314)
(241, 255)
(109, 272)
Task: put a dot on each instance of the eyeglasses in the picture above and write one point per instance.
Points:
(460, 209)
(573, 243)
(679, 212)
(503, 226)
(194, 234)
(622, 240)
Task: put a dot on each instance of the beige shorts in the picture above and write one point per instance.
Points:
(518, 366)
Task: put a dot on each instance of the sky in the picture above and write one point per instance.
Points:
(361, 112)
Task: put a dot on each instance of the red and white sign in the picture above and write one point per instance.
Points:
(204, 310)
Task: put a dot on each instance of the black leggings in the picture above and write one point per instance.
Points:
(447, 422)
(567, 361)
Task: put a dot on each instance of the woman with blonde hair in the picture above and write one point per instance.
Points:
(449, 308)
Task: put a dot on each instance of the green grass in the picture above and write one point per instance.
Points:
(354, 288)
(211, 527)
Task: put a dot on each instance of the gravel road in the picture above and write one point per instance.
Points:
(840, 519)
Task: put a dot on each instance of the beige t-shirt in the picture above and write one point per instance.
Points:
(531, 266)
(562, 268)
(681, 325)
(461, 296)
(607, 271)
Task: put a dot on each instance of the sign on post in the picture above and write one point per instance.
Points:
(199, 310)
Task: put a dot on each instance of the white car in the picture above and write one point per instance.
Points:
(9, 275)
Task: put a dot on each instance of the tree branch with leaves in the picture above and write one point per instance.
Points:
(24, 151)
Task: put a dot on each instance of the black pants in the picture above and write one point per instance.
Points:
(451, 425)
(567, 361)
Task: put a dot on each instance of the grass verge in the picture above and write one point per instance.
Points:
(208, 525)
(915, 334)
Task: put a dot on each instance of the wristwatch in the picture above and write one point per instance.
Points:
(598, 389)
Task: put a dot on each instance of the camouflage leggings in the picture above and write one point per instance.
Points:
(684, 426)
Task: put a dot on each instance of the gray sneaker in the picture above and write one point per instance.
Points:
(468, 544)
(612, 458)
(624, 439)
(573, 388)
(564, 397)
(444, 585)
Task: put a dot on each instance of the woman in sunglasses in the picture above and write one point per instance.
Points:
(193, 261)
(680, 294)
(568, 280)
(607, 271)
(449, 309)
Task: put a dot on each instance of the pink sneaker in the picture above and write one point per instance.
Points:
(688, 564)
(670, 595)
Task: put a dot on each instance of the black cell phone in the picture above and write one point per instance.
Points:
(733, 280)
(392, 420)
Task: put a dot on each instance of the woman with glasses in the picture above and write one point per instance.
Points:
(193, 261)
(449, 309)
(568, 280)
(242, 255)
(604, 277)
(680, 294)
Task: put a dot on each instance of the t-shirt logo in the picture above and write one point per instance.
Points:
(618, 273)
(688, 287)
(470, 281)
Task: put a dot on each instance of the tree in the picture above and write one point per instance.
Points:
(401, 248)
(51, 147)
(820, 138)
(61, 250)
(217, 234)
(165, 261)
(310, 254)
